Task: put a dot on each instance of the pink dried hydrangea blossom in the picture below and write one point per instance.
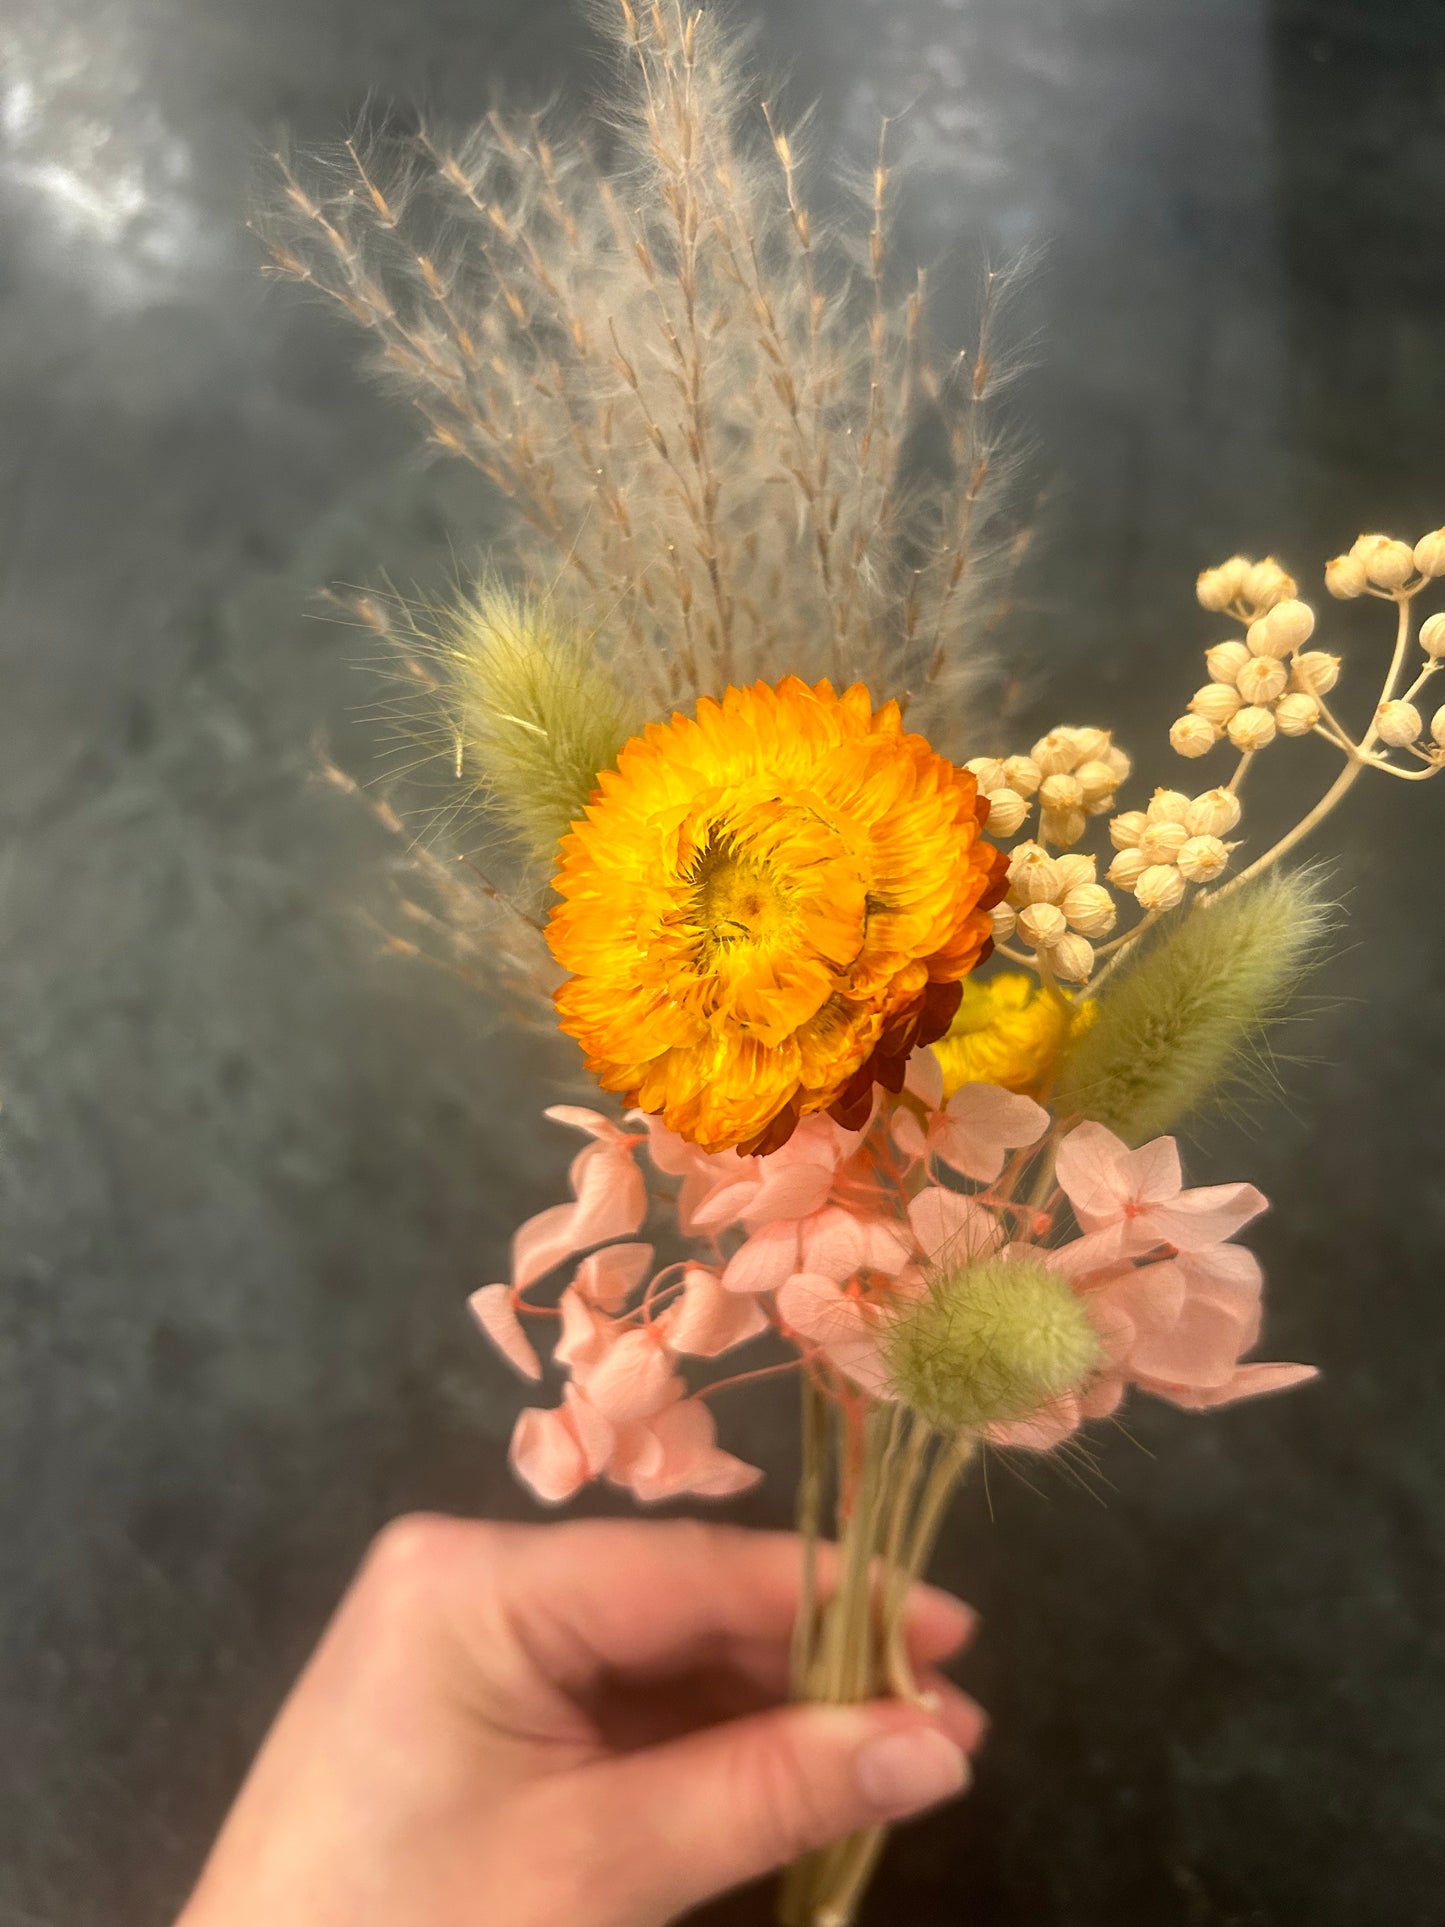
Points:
(821, 1244)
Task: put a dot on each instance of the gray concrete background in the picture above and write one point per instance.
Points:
(249, 1169)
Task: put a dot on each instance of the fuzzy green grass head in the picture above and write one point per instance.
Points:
(534, 712)
(1180, 1021)
(991, 1341)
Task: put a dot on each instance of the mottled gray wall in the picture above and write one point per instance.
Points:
(249, 1168)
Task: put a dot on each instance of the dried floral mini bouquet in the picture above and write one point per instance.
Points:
(898, 1028)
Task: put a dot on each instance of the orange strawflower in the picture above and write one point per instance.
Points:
(766, 909)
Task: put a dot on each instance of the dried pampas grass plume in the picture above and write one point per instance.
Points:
(704, 406)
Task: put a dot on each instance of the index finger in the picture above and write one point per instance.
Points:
(594, 1597)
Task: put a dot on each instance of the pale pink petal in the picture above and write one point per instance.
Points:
(1200, 1350)
(831, 1244)
(609, 1277)
(818, 1308)
(595, 1434)
(542, 1242)
(950, 1227)
(765, 1260)
(611, 1196)
(1208, 1216)
(672, 1154)
(792, 1192)
(924, 1079)
(1041, 1430)
(908, 1134)
(726, 1203)
(580, 1119)
(1117, 1330)
(1154, 1171)
(1247, 1381)
(1103, 1397)
(632, 1379)
(708, 1320)
(554, 1455)
(1151, 1296)
(817, 1140)
(494, 1311)
(841, 1326)
(1082, 1257)
(1229, 1277)
(679, 1441)
(587, 1332)
(722, 1476)
(980, 1125)
(837, 1243)
(546, 1457)
(1092, 1167)
(884, 1247)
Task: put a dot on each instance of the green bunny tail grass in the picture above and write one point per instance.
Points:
(992, 1341)
(1182, 1018)
(534, 713)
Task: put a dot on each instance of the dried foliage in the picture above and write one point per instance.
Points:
(728, 446)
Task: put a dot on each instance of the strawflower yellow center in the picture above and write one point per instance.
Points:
(766, 907)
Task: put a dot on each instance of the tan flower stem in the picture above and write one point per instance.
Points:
(1359, 759)
(852, 1646)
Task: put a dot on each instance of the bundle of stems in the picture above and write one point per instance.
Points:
(887, 1478)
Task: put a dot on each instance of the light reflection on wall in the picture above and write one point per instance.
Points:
(89, 166)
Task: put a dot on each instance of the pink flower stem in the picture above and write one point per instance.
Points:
(748, 1378)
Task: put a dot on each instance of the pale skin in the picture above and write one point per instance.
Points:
(578, 1725)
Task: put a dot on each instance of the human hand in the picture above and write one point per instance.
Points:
(580, 1724)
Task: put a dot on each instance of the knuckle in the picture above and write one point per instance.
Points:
(409, 1558)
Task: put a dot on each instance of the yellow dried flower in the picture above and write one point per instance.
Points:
(1008, 1032)
(768, 906)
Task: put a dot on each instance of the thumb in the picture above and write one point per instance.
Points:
(685, 1821)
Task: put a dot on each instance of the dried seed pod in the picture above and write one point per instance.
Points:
(1162, 842)
(989, 773)
(1225, 660)
(1202, 859)
(1022, 773)
(1041, 924)
(1261, 680)
(1126, 828)
(1252, 728)
(1398, 724)
(1316, 672)
(1007, 811)
(1216, 702)
(1127, 868)
(1345, 577)
(1072, 958)
(1192, 736)
(1061, 791)
(1033, 876)
(1161, 887)
(1296, 714)
(1090, 909)
(1215, 813)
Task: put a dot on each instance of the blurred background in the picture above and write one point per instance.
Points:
(251, 1166)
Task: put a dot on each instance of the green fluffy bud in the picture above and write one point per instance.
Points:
(1184, 1015)
(992, 1341)
(533, 711)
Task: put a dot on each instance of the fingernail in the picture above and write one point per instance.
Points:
(901, 1772)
